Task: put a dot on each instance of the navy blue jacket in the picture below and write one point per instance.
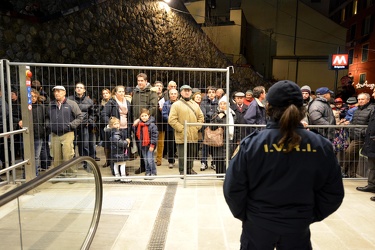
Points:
(283, 192)
(65, 119)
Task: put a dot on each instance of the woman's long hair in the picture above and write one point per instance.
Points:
(289, 119)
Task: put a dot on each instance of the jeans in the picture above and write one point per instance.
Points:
(148, 158)
(38, 143)
(81, 140)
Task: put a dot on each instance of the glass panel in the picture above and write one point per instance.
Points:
(56, 215)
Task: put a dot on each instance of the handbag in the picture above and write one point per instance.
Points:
(214, 138)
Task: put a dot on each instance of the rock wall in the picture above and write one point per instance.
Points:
(132, 32)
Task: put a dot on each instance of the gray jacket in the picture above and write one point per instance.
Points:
(320, 113)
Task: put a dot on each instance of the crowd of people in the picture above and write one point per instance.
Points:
(151, 124)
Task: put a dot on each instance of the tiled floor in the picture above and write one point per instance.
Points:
(163, 214)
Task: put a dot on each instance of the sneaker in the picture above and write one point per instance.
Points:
(170, 165)
(118, 177)
(148, 176)
(203, 166)
(213, 166)
(126, 180)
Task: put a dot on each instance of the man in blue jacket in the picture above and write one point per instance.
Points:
(64, 117)
(283, 178)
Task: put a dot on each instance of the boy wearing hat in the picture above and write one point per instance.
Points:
(239, 109)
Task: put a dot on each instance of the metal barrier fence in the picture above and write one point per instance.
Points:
(16, 83)
(99, 77)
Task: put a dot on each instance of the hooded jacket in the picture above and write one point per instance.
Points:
(144, 98)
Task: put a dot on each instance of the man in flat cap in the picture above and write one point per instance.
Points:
(239, 109)
(64, 116)
(185, 109)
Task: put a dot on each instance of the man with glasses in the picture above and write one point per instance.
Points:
(171, 85)
(84, 137)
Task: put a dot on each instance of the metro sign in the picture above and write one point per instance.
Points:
(339, 61)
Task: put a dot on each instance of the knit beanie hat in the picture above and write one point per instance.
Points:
(306, 89)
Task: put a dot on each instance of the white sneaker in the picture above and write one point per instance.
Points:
(118, 177)
(213, 166)
(126, 180)
(171, 165)
(203, 166)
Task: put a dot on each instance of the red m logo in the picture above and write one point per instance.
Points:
(340, 60)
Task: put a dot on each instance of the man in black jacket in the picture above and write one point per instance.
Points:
(368, 150)
(283, 178)
(84, 136)
(357, 135)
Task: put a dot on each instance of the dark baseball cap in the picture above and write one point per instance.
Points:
(323, 90)
(285, 93)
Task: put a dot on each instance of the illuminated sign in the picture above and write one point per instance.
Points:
(338, 61)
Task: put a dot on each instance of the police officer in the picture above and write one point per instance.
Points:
(283, 178)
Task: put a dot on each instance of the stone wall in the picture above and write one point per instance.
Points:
(112, 32)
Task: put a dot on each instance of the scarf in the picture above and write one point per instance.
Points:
(145, 137)
(123, 110)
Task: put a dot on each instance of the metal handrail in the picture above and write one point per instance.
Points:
(39, 180)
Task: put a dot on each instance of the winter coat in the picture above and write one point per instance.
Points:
(144, 99)
(39, 120)
(368, 148)
(361, 117)
(320, 113)
(180, 113)
(209, 107)
(86, 106)
(65, 119)
(220, 152)
(165, 113)
(152, 133)
(256, 113)
(283, 192)
(112, 108)
(119, 146)
(240, 132)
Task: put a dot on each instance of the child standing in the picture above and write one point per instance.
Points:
(119, 149)
(147, 134)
